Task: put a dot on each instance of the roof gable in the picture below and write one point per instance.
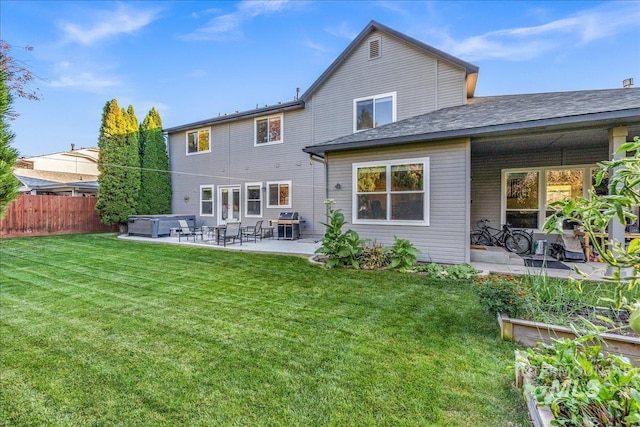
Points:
(364, 34)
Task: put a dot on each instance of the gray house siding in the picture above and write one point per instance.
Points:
(410, 73)
(234, 160)
(422, 83)
(446, 238)
(486, 173)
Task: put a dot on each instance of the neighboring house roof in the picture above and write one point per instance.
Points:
(376, 26)
(39, 180)
(300, 102)
(82, 160)
(496, 115)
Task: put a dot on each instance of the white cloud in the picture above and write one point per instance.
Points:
(342, 31)
(84, 81)
(123, 20)
(316, 47)
(607, 20)
(229, 25)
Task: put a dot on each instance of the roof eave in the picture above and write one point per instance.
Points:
(272, 109)
(610, 118)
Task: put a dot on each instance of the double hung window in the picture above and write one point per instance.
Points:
(206, 200)
(374, 111)
(391, 192)
(253, 199)
(198, 141)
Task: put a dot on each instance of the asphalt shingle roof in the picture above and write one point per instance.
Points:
(34, 178)
(485, 115)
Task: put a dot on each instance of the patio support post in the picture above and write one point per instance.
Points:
(617, 137)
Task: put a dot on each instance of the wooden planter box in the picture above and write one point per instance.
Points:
(530, 333)
(541, 416)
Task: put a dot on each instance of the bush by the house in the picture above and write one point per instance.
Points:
(503, 293)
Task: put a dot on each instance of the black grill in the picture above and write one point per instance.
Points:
(288, 225)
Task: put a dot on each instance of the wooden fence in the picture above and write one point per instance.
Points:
(39, 215)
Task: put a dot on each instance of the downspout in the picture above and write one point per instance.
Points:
(319, 159)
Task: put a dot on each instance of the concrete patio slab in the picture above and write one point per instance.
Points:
(307, 246)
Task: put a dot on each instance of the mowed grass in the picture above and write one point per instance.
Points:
(99, 331)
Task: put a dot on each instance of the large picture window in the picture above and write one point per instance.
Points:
(374, 111)
(253, 199)
(527, 193)
(206, 200)
(393, 191)
(198, 141)
(279, 194)
(268, 130)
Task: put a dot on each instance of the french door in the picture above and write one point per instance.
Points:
(228, 204)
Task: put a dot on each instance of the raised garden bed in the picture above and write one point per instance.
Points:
(529, 333)
(541, 416)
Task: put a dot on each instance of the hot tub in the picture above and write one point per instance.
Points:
(156, 225)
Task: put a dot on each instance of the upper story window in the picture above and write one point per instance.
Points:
(374, 111)
(391, 192)
(268, 130)
(198, 141)
(279, 194)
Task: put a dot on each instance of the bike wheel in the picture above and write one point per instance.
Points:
(480, 238)
(518, 242)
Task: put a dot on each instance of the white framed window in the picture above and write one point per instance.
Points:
(199, 141)
(253, 199)
(391, 192)
(279, 194)
(527, 192)
(374, 111)
(269, 130)
(206, 200)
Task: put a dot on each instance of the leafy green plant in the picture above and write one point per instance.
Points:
(341, 248)
(594, 214)
(432, 269)
(502, 293)
(455, 272)
(403, 254)
(373, 256)
(582, 385)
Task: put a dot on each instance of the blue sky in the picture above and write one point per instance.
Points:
(193, 60)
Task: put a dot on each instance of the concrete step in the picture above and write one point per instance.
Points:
(494, 255)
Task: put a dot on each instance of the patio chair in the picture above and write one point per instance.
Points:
(231, 233)
(568, 247)
(186, 231)
(253, 231)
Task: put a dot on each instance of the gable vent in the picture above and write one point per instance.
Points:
(374, 49)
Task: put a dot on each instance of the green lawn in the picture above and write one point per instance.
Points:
(100, 331)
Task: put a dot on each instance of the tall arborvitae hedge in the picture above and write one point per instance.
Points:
(133, 158)
(155, 191)
(119, 186)
(8, 155)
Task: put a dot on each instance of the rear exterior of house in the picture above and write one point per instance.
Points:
(393, 134)
(251, 165)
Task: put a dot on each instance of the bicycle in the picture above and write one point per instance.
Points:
(516, 241)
